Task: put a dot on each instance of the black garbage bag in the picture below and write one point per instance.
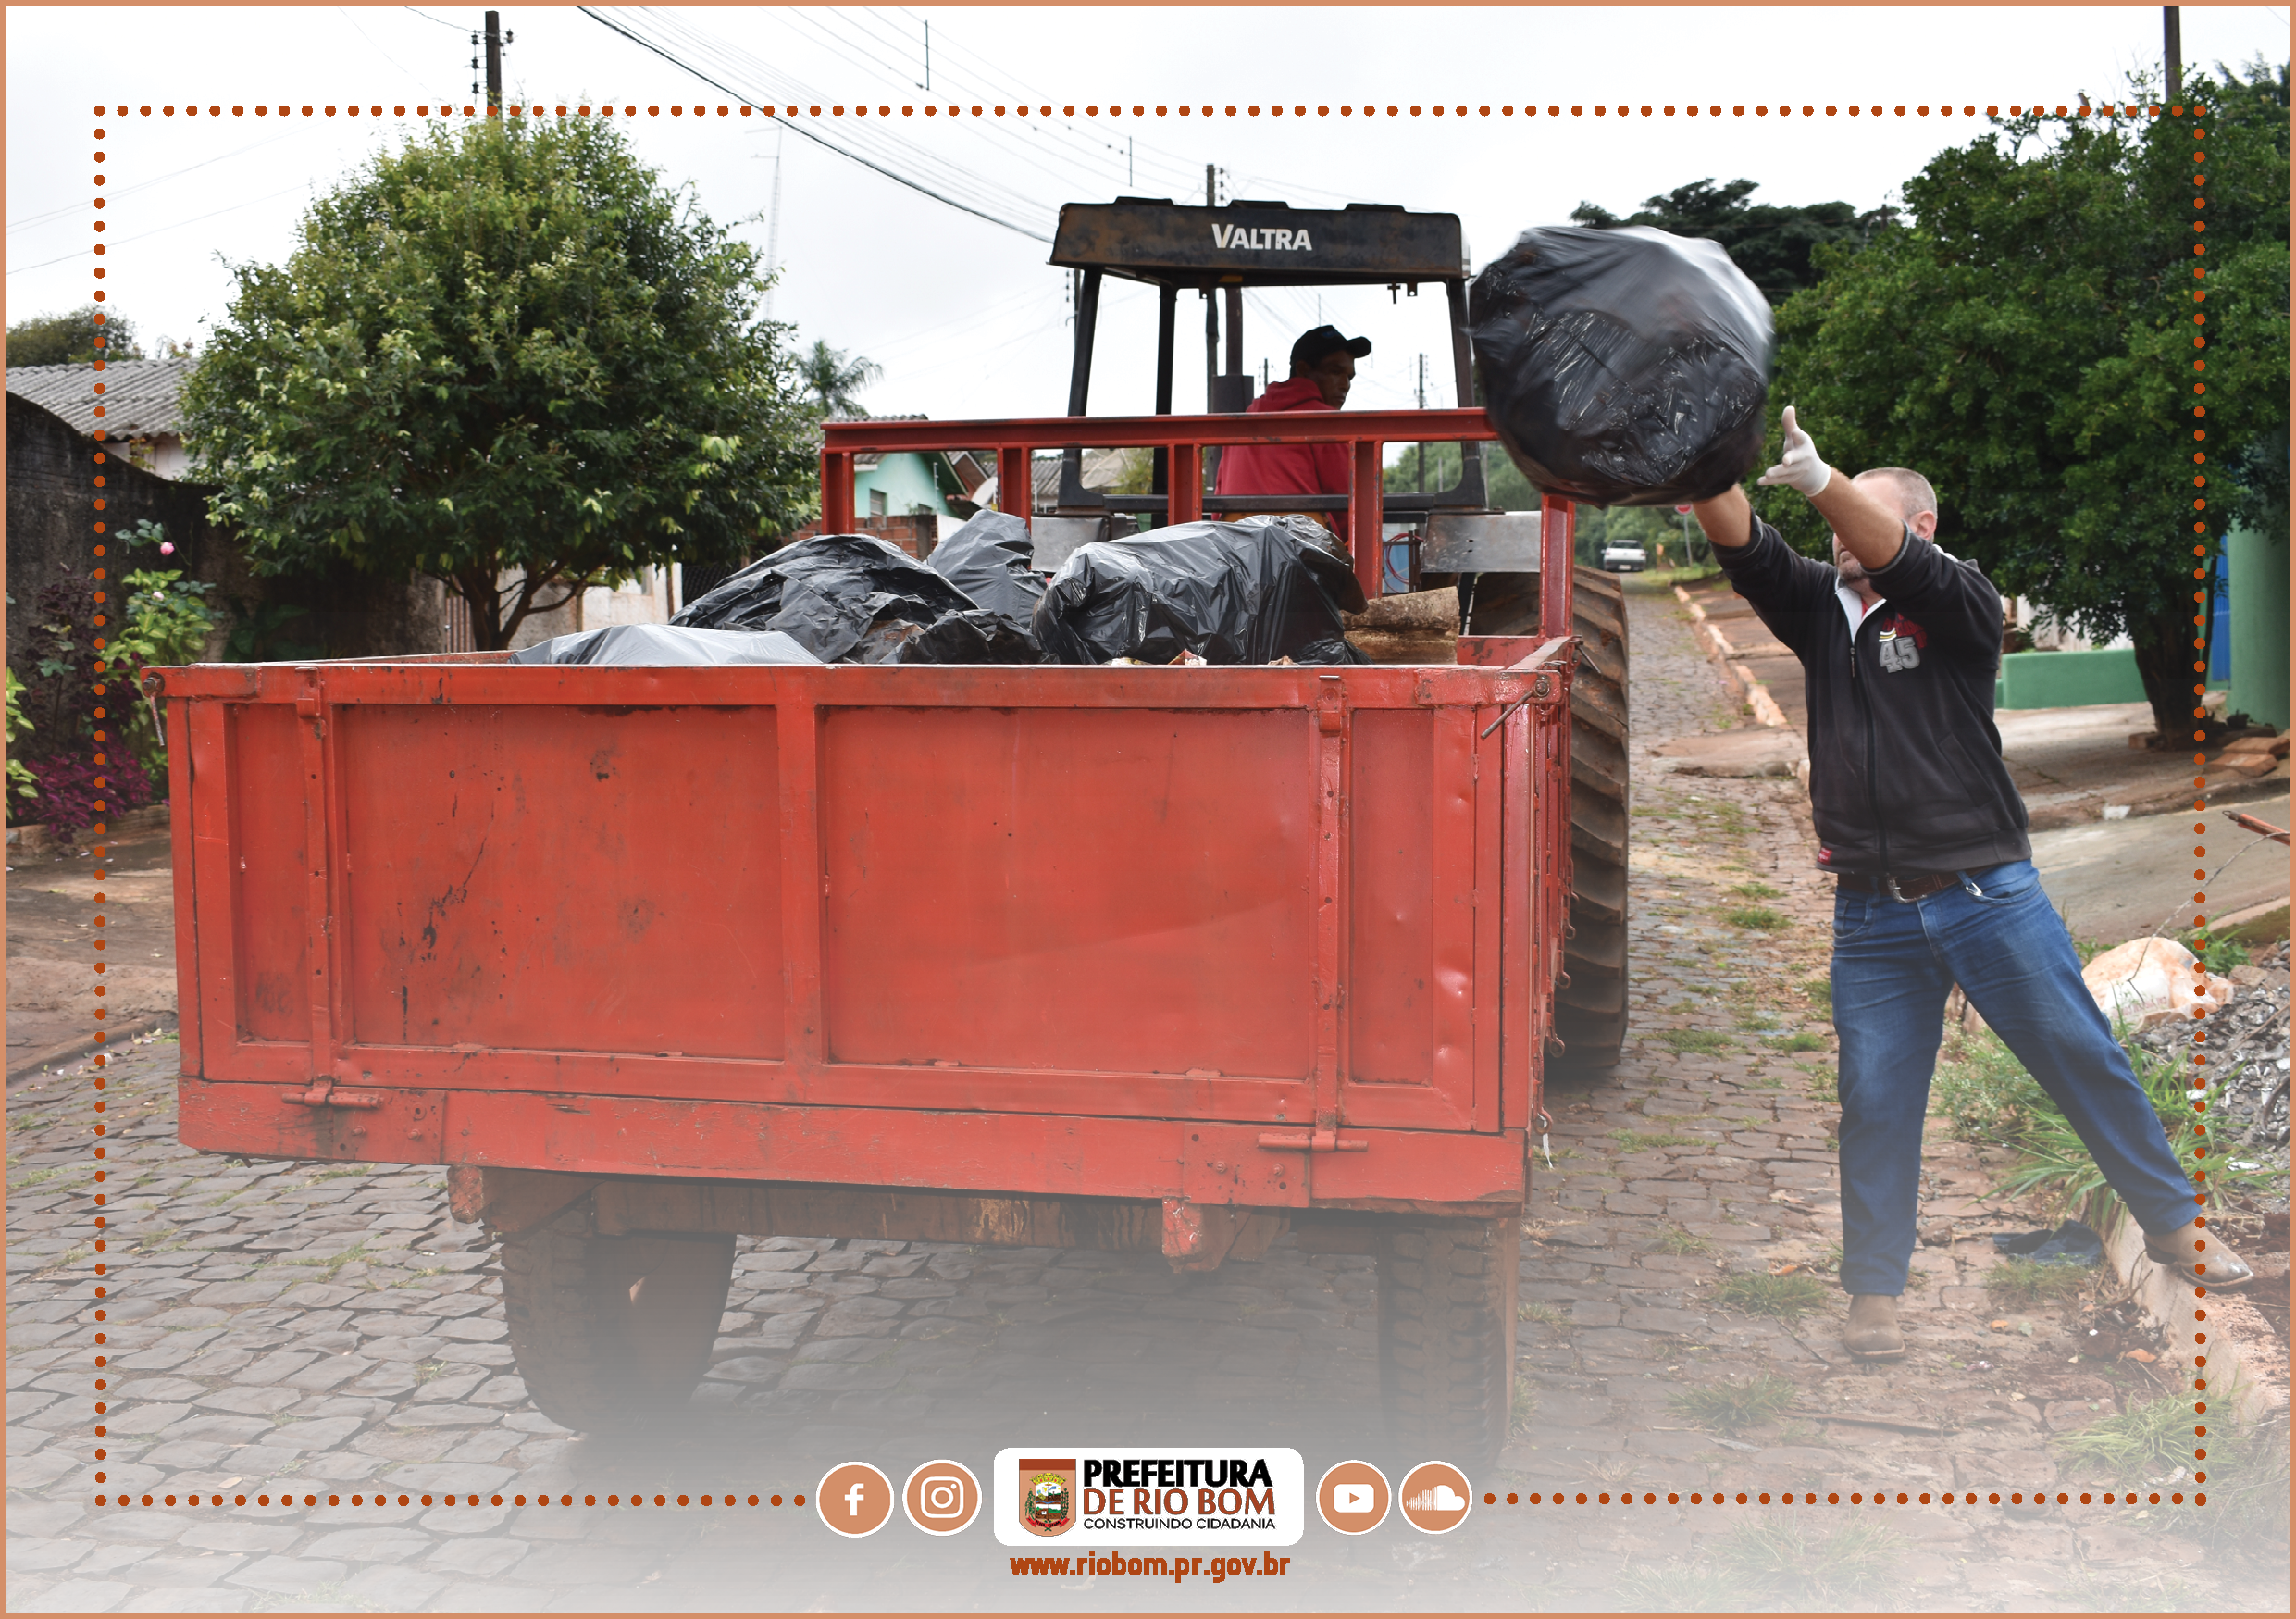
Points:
(664, 646)
(1243, 593)
(1622, 368)
(853, 598)
(2074, 1242)
(992, 559)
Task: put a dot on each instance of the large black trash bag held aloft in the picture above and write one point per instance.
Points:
(853, 598)
(1243, 593)
(664, 646)
(1622, 368)
(992, 560)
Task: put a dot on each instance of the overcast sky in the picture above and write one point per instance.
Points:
(963, 314)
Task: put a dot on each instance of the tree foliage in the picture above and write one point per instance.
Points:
(505, 357)
(1774, 245)
(73, 338)
(834, 379)
(2037, 340)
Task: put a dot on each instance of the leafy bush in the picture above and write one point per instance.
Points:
(70, 797)
(23, 784)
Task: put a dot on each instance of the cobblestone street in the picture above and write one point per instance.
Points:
(304, 1329)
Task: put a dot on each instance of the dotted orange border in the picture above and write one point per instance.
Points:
(1603, 1497)
(1142, 110)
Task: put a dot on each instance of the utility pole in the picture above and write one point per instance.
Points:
(1211, 194)
(2172, 51)
(1422, 405)
(773, 223)
(493, 62)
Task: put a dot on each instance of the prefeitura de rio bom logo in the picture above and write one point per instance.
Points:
(1047, 1494)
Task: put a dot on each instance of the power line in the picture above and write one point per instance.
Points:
(54, 214)
(899, 179)
(157, 230)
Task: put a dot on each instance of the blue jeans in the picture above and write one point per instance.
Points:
(1997, 935)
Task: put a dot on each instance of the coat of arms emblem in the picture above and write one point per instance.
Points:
(1047, 1494)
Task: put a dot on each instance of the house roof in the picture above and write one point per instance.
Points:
(139, 398)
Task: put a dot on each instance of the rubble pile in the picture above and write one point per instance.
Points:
(2247, 1060)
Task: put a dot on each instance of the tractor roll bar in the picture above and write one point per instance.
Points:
(1184, 439)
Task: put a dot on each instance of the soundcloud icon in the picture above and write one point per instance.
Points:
(1353, 1497)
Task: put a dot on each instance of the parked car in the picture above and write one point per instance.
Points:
(1624, 559)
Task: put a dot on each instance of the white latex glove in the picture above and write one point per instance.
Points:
(1801, 468)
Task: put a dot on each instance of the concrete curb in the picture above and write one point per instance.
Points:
(1758, 702)
(87, 1046)
(2173, 1304)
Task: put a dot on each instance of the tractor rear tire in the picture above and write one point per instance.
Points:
(1446, 1337)
(613, 1333)
(1590, 1011)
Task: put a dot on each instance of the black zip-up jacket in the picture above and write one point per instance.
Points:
(1906, 770)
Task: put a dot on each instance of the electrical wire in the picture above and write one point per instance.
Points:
(441, 22)
(812, 135)
(159, 229)
(34, 220)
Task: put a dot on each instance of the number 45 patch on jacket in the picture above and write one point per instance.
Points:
(1901, 643)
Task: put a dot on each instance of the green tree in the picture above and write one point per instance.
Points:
(73, 339)
(835, 378)
(508, 358)
(1775, 245)
(2032, 342)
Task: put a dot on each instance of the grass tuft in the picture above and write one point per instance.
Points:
(1707, 1040)
(1681, 1240)
(1758, 1293)
(1731, 1406)
(2026, 1282)
(1820, 992)
(1798, 1042)
(1755, 891)
(1759, 918)
(1641, 1142)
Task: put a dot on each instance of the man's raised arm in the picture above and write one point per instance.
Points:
(1867, 529)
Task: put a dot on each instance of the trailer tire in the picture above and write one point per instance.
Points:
(1447, 1336)
(613, 1333)
(1590, 1011)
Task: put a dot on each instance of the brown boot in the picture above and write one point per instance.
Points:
(2190, 1254)
(1872, 1333)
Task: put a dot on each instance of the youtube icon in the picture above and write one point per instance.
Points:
(1353, 1497)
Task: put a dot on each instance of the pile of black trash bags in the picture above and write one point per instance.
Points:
(1254, 591)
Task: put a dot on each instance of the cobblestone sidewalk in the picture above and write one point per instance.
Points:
(301, 1329)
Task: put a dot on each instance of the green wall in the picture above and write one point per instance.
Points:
(2259, 625)
(2067, 679)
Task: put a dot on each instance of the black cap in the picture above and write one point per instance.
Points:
(1314, 347)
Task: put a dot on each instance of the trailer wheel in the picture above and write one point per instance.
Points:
(1590, 1011)
(613, 1332)
(1447, 1336)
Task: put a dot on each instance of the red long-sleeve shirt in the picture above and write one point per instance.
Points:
(1285, 469)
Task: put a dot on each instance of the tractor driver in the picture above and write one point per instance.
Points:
(1322, 371)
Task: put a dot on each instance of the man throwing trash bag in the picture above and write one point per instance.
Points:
(1925, 833)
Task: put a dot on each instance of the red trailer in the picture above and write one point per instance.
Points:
(1139, 959)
